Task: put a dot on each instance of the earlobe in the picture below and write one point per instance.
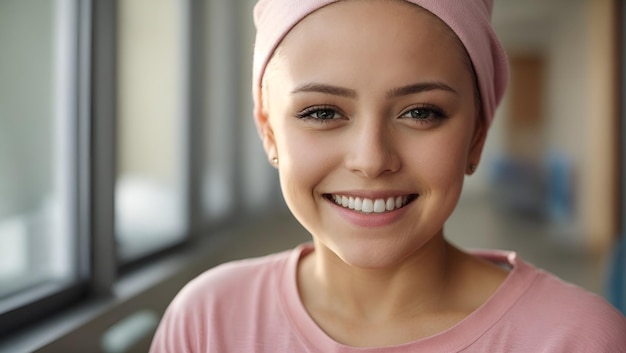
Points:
(477, 145)
(266, 133)
(269, 144)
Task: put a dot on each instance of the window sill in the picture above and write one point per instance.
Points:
(151, 288)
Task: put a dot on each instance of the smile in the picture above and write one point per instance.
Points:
(366, 205)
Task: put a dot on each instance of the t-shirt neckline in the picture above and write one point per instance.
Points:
(454, 339)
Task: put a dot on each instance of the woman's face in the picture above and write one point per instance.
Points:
(370, 111)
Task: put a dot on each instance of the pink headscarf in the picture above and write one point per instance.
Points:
(469, 19)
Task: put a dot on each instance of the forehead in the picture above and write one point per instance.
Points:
(379, 34)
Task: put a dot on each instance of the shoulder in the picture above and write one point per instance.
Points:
(566, 315)
(235, 279)
(229, 298)
(533, 310)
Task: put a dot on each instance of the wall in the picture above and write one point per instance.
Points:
(567, 87)
(582, 115)
(601, 193)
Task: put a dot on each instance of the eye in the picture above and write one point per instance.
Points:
(320, 114)
(323, 114)
(424, 114)
(420, 113)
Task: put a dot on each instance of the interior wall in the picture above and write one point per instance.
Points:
(602, 123)
(567, 89)
(580, 110)
(583, 113)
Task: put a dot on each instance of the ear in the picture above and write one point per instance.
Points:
(266, 132)
(477, 144)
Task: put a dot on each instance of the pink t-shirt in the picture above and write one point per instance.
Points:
(253, 306)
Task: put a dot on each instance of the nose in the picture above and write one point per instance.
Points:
(372, 150)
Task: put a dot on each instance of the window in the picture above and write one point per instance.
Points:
(219, 110)
(236, 174)
(150, 202)
(39, 152)
(118, 139)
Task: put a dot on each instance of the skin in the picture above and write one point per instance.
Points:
(375, 99)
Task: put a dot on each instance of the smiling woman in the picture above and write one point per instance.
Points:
(373, 117)
(422, 101)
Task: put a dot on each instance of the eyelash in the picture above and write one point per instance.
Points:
(308, 114)
(435, 114)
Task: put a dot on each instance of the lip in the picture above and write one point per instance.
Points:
(371, 220)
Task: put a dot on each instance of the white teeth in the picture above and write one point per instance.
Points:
(358, 204)
(379, 206)
(399, 201)
(366, 205)
(390, 204)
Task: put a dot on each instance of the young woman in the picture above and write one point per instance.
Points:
(373, 112)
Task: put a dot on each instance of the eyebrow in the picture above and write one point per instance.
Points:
(328, 89)
(392, 93)
(418, 88)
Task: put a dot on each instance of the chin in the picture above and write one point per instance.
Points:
(372, 255)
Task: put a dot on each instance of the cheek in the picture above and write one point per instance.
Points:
(441, 160)
(305, 158)
(305, 161)
(440, 166)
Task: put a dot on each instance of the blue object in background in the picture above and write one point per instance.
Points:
(560, 187)
(616, 285)
(519, 186)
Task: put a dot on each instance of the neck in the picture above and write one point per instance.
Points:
(415, 285)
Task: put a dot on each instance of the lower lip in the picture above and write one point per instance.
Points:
(371, 220)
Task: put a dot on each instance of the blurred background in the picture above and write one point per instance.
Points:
(129, 161)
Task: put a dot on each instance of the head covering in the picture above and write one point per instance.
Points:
(470, 20)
